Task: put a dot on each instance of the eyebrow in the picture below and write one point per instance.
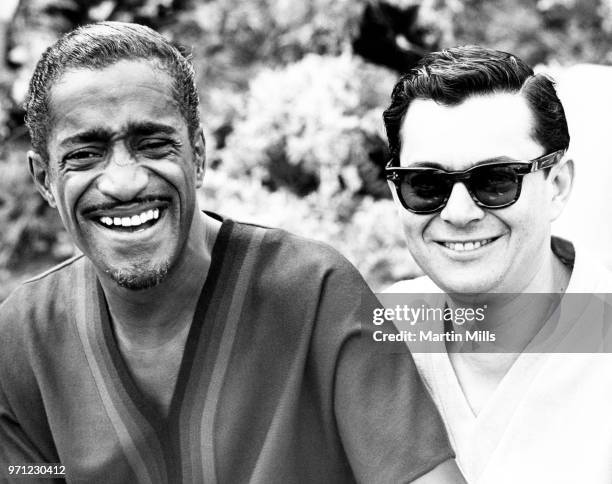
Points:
(131, 129)
(88, 136)
(148, 127)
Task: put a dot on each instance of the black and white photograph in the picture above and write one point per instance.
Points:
(330, 241)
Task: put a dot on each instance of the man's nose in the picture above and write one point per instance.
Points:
(460, 209)
(123, 177)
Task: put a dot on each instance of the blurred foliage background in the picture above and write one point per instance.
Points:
(291, 96)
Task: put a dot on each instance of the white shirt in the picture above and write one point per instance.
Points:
(550, 418)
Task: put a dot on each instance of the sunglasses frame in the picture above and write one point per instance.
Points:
(521, 168)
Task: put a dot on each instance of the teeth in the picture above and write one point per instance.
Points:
(466, 246)
(132, 221)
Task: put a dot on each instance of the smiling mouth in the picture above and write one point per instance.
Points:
(132, 223)
(468, 245)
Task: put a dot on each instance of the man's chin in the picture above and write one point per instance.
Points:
(139, 278)
(472, 286)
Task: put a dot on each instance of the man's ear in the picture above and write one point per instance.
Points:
(39, 170)
(199, 150)
(562, 179)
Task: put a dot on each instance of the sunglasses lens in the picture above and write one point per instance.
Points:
(495, 186)
(425, 191)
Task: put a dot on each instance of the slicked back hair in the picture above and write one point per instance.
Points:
(100, 45)
(451, 76)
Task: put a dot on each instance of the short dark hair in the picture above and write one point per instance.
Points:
(450, 76)
(100, 45)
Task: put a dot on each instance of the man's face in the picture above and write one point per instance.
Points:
(122, 170)
(463, 247)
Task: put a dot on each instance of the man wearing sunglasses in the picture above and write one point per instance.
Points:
(478, 172)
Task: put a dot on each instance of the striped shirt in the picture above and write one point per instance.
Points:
(277, 383)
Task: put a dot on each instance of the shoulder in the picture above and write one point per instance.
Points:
(309, 280)
(589, 274)
(52, 280)
(57, 271)
(34, 323)
(421, 284)
(38, 300)
(291, 256)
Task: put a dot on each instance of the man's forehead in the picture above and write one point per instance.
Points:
(111, 81)
(113, 99)
(480, 128)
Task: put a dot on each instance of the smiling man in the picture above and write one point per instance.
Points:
(478, 172)
(181, 346)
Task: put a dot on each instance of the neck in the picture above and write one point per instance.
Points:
(516, 318)
(153, 316)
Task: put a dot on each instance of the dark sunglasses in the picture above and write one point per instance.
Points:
(491, 185)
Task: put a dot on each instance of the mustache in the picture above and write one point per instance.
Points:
(111, 205)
